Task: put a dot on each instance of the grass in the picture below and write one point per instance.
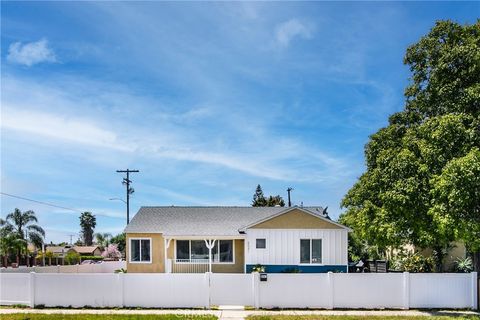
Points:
(319, 317)
(39, 316)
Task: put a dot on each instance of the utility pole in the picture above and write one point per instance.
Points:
(126, 181)
(71, 237)
(289, 189)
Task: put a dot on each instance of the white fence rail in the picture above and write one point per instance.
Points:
(328, 291)
(103, 267)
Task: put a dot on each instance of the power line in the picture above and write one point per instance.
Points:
(41, 202)
(54, 205)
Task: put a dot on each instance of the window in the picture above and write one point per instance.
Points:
(183, 249)
(140, 250)
(261, 243)
(310, 250)
(188, 250)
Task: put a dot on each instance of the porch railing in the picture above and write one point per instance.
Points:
(189, 265)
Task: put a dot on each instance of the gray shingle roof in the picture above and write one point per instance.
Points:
(200, 221)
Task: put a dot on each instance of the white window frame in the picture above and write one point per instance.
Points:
(260, 239)
(190, 251)
(140, 249)
(311, 248)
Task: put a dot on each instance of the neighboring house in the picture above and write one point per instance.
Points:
(235, 239)
(88, 250)
(59, 253)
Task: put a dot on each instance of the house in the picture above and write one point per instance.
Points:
(235, 240)
(88, 250)
(59, 253)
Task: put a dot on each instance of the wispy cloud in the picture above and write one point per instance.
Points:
(287, 31)
(167, 136)
(30, 53)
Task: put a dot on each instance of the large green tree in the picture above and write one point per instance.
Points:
(88, 223)
(457, 200)
(391, 204)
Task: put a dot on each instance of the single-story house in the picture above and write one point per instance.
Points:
(88, 250)
(235, 240)
(59, 253)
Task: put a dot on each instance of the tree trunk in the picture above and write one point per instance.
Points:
(438, 257)
(5, 260)
(476, 261)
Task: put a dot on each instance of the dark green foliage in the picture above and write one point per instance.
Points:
(400, 199)
(95, 258)
(72, 258)
(87, 225)
(259, 200)
(120, 241)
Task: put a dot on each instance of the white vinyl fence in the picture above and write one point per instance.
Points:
(103, 267)
(176, 290)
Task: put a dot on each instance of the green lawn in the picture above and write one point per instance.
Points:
(318, 317)
(39, 316)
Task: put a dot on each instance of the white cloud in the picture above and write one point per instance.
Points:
(62, 128)
(30, 53)
(287, 31)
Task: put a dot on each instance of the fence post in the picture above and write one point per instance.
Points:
(121, 285)
(32, 289)
(331, 302)
(406, 290)
(256, 289)
(474, 276)
(208, 283)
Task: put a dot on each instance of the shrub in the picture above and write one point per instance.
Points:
(413, 262)
(94, 258)
(464, 265)
(258, 268)
(72, 258)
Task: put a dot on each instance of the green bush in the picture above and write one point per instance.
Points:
(258, 268)
(72, 258)
(413, 262)
(94, 258)
(464, 265)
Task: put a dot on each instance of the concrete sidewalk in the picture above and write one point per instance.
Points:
(242, 314)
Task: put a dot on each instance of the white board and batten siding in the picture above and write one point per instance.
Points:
(283, 245)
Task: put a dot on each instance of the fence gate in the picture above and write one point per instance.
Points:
(232, 289)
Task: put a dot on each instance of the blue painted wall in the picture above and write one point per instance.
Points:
(276, 268)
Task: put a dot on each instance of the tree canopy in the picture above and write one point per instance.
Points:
(259, 199)
(404, 197)
(87, 225)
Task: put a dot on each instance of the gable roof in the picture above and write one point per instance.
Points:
(58, 249)
(316, 213)
(85, 249)
(205, 221)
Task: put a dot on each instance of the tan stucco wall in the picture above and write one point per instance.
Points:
(296, 219)
(158, 250)
(237, 267)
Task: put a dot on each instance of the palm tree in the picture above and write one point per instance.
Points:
(87, 224)
(23, 224)
(102, 239)
(9, 241)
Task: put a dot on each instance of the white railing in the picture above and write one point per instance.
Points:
(190, 265)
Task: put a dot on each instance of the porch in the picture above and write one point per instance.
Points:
(200, 255)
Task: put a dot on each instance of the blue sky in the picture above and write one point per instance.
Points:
(207, 100)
